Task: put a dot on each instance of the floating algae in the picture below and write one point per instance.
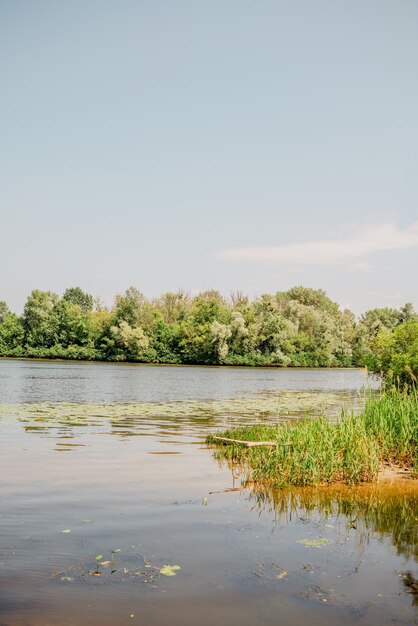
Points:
(170, 570)
(283, 404)
(314, 543)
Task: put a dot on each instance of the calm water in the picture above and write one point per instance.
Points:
(114, 456)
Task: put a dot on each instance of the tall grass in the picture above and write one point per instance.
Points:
(316, 451)
(392, 420)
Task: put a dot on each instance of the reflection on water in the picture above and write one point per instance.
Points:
(23, 381)
(85, 536)
(386, 509)
(411, 586)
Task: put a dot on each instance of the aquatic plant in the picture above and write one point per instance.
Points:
(317, 451)
(392, 421)
(265, 405)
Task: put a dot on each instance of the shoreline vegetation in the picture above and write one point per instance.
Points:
(312, 452)
(301, 327)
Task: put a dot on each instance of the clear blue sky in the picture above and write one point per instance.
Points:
(227, 144)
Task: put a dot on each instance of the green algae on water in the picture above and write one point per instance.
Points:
(283, 404)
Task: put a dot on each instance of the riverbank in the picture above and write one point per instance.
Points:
(257, 366)
(353, 450)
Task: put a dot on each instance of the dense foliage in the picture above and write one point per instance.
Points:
(395, 354)
(298, 327)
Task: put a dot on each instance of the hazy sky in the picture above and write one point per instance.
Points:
(227, 144)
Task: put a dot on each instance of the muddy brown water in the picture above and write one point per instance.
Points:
(107, 464)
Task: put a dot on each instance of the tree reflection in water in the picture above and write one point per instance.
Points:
(386, 509)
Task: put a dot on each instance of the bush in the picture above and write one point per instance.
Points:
(395, 354)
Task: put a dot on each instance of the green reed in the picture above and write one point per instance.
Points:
(317, 451)
(392, 420)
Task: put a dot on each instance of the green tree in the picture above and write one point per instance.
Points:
(173, 306)
(316, 298)
(272, 333)
(76, 295)
(407, 313)
(220, 334)
(372, 323)
(131, 341)
(198, 338)
(314, 337)
(394, 354)
(38, 319)
(11, 335)
(72, 324)
(345, 330)
(134, 309)
(4, 310)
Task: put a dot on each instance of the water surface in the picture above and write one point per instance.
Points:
(114, 456)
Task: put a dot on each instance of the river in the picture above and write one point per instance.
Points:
(105, 480)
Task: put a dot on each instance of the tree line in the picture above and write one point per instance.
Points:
(301, 327)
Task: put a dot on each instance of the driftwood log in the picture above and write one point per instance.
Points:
(249, 444)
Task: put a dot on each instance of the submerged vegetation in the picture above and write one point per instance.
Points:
(317, 451)
(299, 327)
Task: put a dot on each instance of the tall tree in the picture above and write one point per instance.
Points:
(38, 319)
(76, 295)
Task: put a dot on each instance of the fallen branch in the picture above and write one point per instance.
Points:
(249, 444)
